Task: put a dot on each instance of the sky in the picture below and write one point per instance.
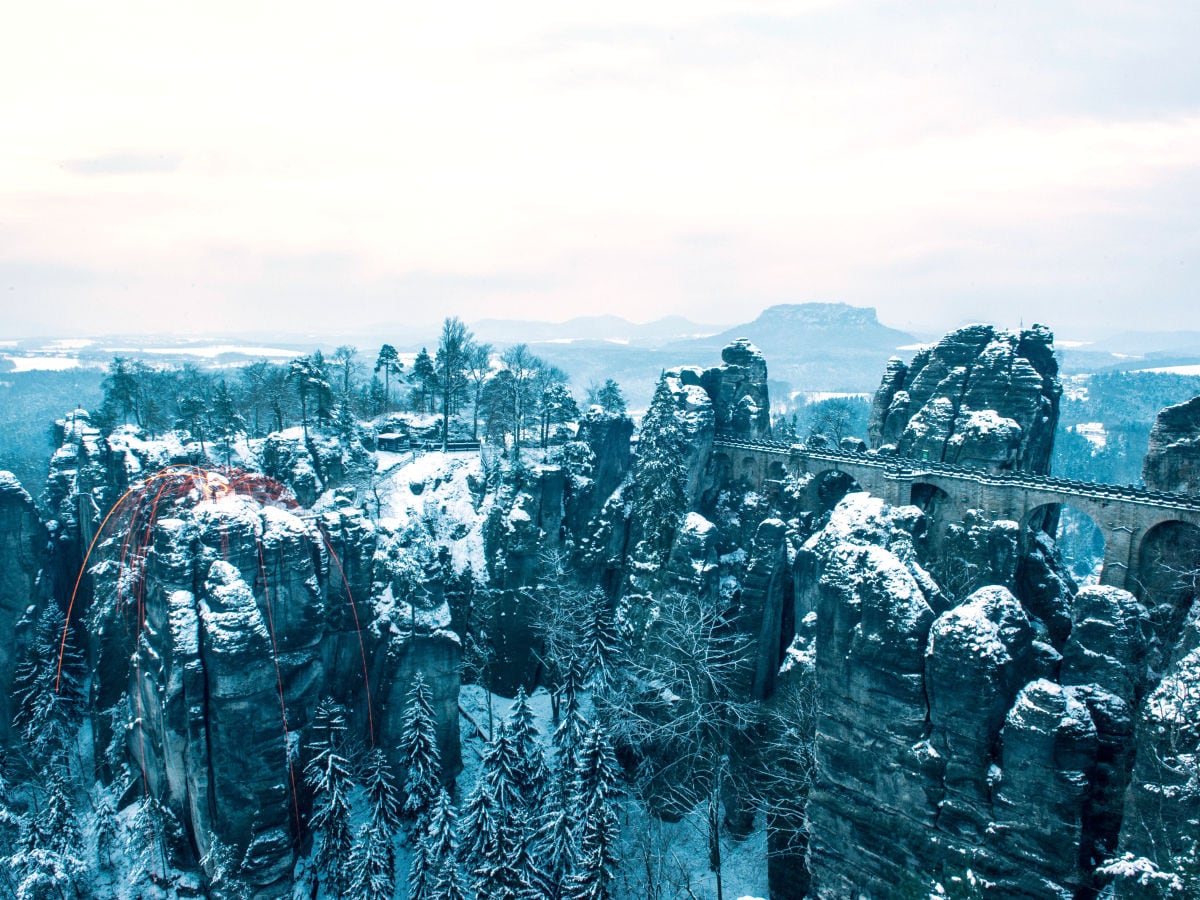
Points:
(226, 167)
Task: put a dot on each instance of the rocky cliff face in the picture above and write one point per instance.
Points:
(1159, 849)
(738, 389)
(973, 707)
(955, 738)
(1173, 458)
(25, 582)
(981, 396)
(216, 620)
(249, 616)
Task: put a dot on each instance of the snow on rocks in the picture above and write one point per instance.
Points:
(443, 503)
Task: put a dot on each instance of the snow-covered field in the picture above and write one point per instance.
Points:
(42, 363)
(1175, 370)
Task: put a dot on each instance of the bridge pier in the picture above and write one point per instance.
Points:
(1120, 547)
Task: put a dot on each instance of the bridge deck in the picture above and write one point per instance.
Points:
(904, 467)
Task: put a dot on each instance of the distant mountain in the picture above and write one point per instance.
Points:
(1131, 350)
(813, 346)
(802, 329)
(1145, 343)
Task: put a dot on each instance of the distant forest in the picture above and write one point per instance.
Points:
(1126, 404)
(29, 404)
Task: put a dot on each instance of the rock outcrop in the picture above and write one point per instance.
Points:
(249, 616)
(981, 396)
(1172, 460)
(1159, 849)
(25, 582)
(738, 389)
(956, 738)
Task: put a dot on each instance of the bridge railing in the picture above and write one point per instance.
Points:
(906, 466)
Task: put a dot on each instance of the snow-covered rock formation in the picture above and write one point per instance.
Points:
(1172, 460)
(981, 396)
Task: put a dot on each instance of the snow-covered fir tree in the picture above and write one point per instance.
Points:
(481, 824)
(602, 640)
(501, 770)
(659, 497)
(443, 839)
(328, 776)
(532, 777)
(450, 884)
(556, 841)
(383, 799)
(372, 865)
(47, 688)
(153, 832)
(596, 786)
(572, 726)
(223, 866)
(371, 868)
(418, 745)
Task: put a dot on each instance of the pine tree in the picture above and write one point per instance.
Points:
(450, 883)
(422, 870)
(599, 831)
(481, 824)
(501, 867)
(382, 796)
(572, 727)
(557, 843)
(602, 640)
(58, 818)
(608, 397)
(328, 775)
(106, 826)
(425, 385)
(153, 831)
(556, 406)
(531, 776)
(523, 874)
(48, 694)
(659, 500)
(389, 361)
(443, 843)
(418, 745)
(372, 864)
(227, 420)
(501, 769)
(450, 366)
(223, 866)
(310, 377)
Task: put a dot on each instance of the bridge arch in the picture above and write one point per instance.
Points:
(929, 498)
(829, 486)
(1079, 538)
(1167, 575)
(937, 503)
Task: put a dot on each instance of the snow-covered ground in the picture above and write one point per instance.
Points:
(1093, 431)
(210, 351)
(1175, 370)
(42, 363)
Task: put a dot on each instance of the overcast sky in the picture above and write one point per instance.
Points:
(249, 166)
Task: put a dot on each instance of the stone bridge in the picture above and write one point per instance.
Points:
(1141, 528)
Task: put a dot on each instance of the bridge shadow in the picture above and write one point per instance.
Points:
(829, 487)
(1167, 576)
(1077, 537)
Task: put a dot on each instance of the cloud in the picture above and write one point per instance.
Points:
(125, 163)
(549, 159)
